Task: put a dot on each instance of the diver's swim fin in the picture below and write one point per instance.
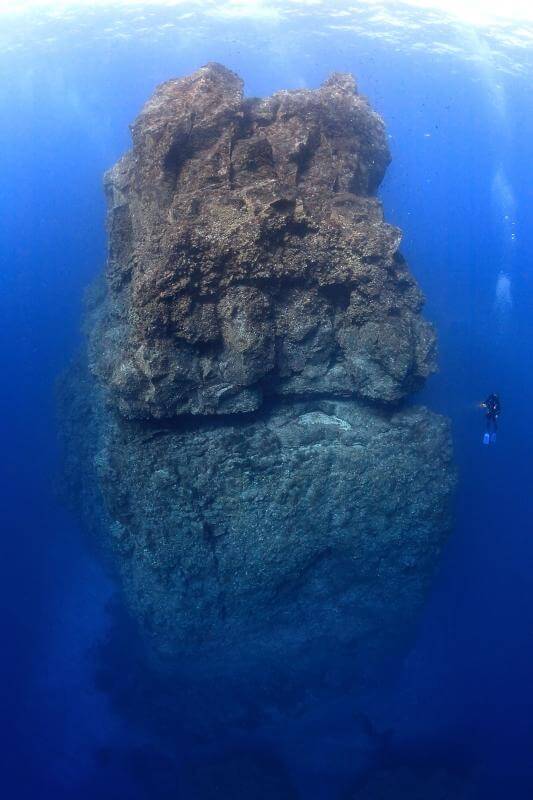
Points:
(486, 438)
(492, 438)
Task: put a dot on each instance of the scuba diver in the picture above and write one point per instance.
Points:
(492, 412)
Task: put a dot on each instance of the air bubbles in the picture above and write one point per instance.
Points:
(503, 297)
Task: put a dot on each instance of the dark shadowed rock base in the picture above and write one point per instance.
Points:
(297, 545)
(235, 438)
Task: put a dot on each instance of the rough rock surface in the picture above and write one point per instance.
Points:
(248, 256)
(234, 433)
(408, 782)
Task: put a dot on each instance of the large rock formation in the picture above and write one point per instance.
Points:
(248, 256)
(235, 436)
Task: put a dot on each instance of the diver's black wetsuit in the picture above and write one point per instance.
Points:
(492, 404)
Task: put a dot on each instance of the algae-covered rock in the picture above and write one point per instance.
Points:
(234, 434)
(248, 256)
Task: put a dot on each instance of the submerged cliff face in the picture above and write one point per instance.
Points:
(233, 434)
(249, 258)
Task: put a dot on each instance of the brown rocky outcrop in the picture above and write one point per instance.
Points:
(248, 256)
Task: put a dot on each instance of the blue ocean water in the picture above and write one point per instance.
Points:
(455, 96)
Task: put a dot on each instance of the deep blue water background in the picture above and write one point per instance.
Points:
(466, 688)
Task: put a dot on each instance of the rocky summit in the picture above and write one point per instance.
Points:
(235, 436)
(248, 256)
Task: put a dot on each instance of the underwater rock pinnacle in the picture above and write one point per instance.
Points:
(249, 258)
(234, 432)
